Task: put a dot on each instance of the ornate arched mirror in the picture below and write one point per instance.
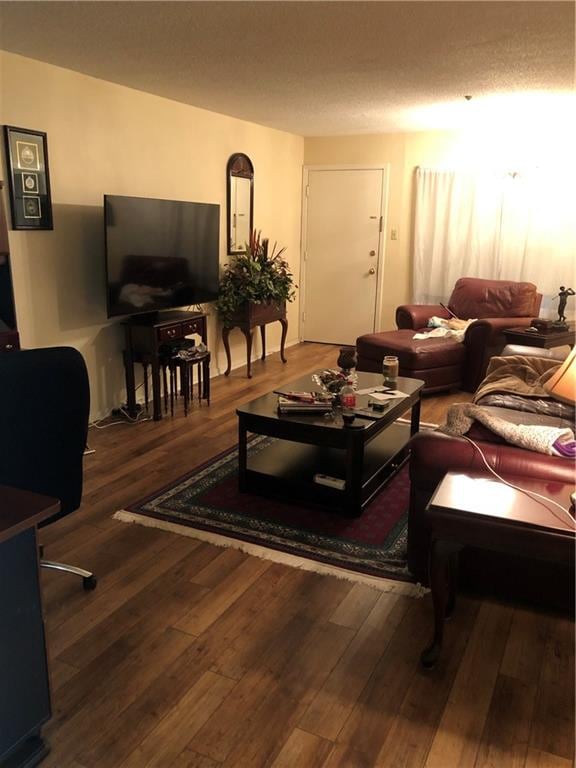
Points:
(240, 200)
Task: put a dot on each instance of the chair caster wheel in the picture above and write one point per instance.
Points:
(89, 583)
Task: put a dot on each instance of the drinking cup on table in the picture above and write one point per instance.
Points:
(390, 368)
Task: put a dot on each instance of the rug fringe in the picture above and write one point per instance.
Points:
(382, 584)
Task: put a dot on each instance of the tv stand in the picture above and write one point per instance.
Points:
(144, 335)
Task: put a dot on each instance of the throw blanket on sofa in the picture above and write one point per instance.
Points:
(454, 328)
(517, 375)
(552, 440)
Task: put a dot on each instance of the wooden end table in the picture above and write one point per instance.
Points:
(542, 339)
(480, 511)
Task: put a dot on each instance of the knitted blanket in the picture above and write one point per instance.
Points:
(552, 440)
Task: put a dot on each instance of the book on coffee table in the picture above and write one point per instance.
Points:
(287, 405)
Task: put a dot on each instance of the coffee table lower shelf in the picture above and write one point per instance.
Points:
(285, 470)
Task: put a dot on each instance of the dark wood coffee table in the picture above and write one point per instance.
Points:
(480, 511)
(542, 339)
(364, 455)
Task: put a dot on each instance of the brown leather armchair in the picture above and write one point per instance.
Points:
(495, 304)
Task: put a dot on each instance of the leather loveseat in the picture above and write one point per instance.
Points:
(443, 363)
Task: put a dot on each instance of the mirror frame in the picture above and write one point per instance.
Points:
(238, 165)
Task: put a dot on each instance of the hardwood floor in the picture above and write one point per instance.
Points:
(191, 656)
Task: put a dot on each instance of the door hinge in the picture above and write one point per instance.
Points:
(303, 316)
(380, 225)
(305, 255)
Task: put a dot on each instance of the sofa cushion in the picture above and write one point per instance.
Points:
(475, 298)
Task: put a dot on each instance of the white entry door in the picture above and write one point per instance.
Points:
(342, 259)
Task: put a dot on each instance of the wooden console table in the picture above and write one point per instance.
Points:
(145, 335)
(25, 689)
(479, 511)
(255, 315)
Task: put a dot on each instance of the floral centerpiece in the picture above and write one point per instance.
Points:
(258, 276)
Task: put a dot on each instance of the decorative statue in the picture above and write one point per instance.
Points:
(563, 296)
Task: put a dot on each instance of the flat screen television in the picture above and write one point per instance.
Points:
(160, 254)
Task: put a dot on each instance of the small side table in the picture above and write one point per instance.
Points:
(542, 339)
(478, 510)
(186, 367)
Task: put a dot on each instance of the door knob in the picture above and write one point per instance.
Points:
(371, 271)
(372, 253)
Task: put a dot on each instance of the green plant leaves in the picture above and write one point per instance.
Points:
(255, 276)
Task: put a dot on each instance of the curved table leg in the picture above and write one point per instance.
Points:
(263, 335)
(225, 341)
(248, 334)
(284, 324)
(442, 571)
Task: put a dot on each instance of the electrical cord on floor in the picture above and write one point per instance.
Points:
(532, 494)
(127, 419)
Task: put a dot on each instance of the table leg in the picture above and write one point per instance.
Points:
(353, 491)
(242, 454)
(452, 584)
(130, 384)
(284, 324)
(146, 392)
(206, 374)
(415, 416)
(441, 571)
(248, 335)
(263, 336)
(226, 342)
(165, 387)
(156, 396)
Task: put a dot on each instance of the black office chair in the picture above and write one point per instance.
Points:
(44, 404)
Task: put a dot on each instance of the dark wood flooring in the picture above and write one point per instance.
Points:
(191, 656)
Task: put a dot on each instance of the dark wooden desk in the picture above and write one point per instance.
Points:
(480, 511)
(24, 684)
(540, 338)
(144, 337)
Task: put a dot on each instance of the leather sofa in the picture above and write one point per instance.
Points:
(443, 363)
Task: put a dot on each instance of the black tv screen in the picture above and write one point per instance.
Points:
(160, 254)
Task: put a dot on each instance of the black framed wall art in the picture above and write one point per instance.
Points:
(28, 178)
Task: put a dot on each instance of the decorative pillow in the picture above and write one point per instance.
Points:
(473, 297)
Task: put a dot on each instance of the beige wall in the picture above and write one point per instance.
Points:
(476, 146)
(105, 138)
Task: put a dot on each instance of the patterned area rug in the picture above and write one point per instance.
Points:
(207, 505)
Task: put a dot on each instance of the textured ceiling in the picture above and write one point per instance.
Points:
(312, 68)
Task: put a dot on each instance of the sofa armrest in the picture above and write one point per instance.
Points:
(488, 330)
(416, 316)
(484, 339)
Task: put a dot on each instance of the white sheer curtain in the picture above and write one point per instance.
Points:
(496, 225)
